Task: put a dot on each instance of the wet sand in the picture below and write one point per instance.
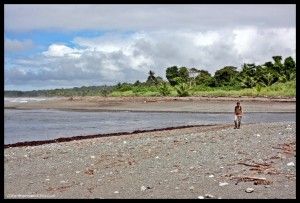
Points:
(166, 104)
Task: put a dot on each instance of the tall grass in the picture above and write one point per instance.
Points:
(287, 89)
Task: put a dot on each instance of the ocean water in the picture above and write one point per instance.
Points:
(27, 99)
(30, 125)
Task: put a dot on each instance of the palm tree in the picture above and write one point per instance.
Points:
(151, 78)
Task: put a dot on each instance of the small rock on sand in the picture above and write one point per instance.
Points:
(249, 190)
(208, 196)
(291, 164)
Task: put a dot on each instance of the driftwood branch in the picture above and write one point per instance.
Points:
(255, 164)
(256, 180)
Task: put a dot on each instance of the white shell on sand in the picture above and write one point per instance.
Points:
(223, 184)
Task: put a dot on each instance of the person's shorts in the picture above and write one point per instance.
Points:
(237, 117)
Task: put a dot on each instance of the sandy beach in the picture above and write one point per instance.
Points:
(211, 162)
(256, 161)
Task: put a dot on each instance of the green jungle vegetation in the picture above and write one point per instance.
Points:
(276, 78)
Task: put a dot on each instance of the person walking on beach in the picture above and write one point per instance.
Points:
(238, 113)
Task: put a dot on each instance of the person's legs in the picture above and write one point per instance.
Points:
(239, 121)
(235, 122)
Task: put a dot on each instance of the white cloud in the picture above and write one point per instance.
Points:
(60, 50)
(254, 44)
(206, 39)
(244, 39)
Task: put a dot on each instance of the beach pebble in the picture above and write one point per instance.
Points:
(200, 197)
(47, 179)
(174, 171)
(176, 188)
(157, 157)
(192, 188)
(291, 164)
(62, 181)
(258, 135)
(92, 157)
(249, 190)
(77, 172)
(282, 156)
(223, 184)
(116, 192)
(208, 196)
(211, 176)
(25, 155)
(143, 188)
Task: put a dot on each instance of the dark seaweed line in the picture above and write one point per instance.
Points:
(68, 139)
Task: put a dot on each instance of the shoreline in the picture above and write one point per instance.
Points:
(83, 137)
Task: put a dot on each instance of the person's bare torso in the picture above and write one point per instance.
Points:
(238, 110)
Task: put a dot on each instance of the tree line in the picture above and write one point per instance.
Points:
(183, 79)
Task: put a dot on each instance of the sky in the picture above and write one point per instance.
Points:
(63, 46)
